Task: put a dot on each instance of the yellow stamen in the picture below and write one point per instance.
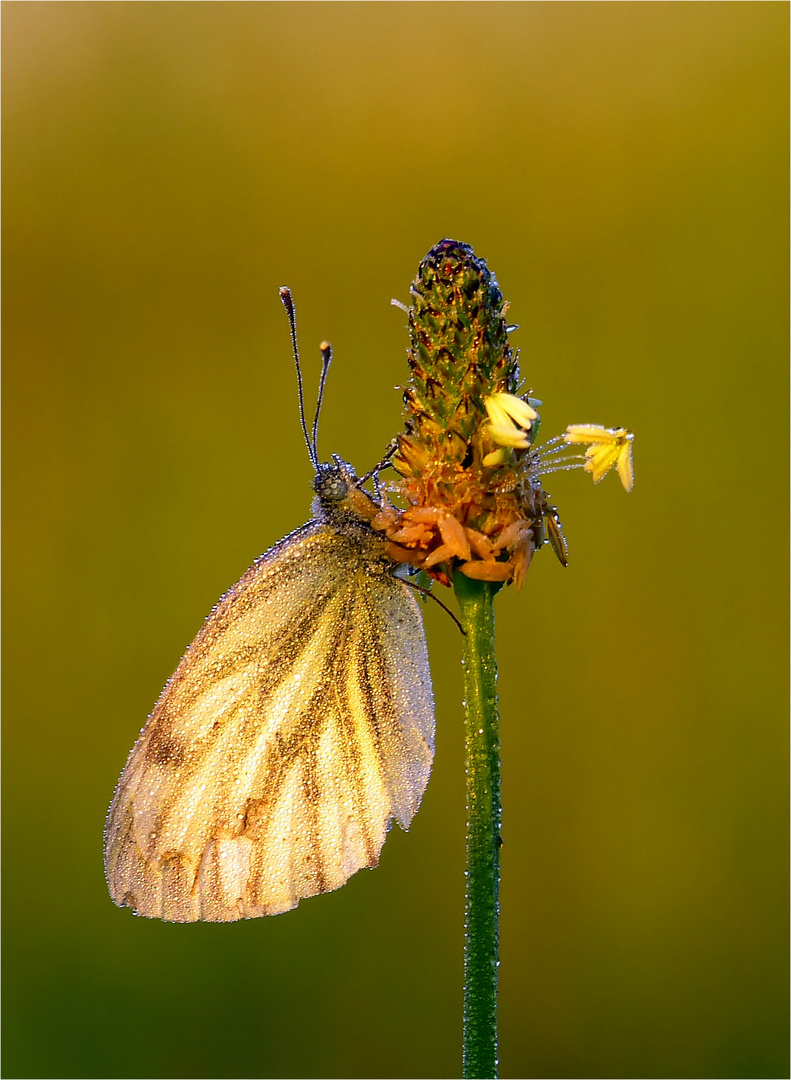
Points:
(503, 408)
(607, 447)
(509, 435)
(624, 465)
(497, 457)
(511, 420)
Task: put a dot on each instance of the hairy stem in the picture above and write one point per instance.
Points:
(482, 909)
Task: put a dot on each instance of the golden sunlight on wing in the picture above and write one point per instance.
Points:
(297, 725)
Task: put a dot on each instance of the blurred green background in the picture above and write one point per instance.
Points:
(622, 167)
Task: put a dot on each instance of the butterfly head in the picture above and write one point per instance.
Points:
(333, 480)
(339, 494)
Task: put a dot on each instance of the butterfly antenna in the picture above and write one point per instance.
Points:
(326, 360)
(288, 304)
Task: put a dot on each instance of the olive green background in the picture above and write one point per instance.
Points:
(622, 168)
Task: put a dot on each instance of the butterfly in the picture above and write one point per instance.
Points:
(297, 726)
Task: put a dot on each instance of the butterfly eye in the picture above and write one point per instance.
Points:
(330, 485)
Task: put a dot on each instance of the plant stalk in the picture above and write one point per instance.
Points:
(482, 910)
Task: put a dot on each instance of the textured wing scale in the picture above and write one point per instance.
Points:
(297, 725)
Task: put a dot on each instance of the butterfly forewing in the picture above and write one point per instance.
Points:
(297, 725)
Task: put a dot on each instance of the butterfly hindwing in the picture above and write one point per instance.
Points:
(297, 725)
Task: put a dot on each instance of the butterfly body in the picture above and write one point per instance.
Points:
(298, 724)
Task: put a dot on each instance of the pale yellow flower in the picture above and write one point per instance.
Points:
(511, 419)
(504, 409)
(607, 447)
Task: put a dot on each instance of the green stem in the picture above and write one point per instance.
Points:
(483, 828)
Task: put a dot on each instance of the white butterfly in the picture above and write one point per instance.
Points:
(298, 724)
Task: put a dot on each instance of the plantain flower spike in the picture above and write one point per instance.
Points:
(470, 472)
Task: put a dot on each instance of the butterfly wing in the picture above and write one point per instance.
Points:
(298, 724)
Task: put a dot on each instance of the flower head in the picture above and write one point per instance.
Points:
(469, 471)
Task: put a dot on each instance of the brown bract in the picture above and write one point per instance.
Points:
(433, 539)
